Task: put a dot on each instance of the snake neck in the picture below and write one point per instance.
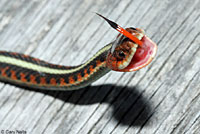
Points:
(27, 71)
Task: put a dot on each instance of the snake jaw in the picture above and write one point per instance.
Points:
(137, 56)
(143, 56)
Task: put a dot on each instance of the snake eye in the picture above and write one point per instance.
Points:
(120, 55)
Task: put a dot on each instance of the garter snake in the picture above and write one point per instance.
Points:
(130, 51)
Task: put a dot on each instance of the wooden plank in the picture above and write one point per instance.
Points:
(160, 98)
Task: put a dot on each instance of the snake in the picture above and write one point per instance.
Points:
(130, 51)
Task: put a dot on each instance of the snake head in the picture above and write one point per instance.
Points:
(126, 55)
(132, 49)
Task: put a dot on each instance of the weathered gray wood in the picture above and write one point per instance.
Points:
(161, 98)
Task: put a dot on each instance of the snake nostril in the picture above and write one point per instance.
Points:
(133, 28)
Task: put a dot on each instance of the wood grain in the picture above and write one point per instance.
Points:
(160, 98)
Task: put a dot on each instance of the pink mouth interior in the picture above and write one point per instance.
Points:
(143, 55)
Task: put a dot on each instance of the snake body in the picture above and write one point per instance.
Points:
(125, 54)
(27, 71)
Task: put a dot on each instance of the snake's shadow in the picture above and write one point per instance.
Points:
(129, 106)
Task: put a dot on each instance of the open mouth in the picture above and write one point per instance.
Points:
(143, 55)
(145, 51)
